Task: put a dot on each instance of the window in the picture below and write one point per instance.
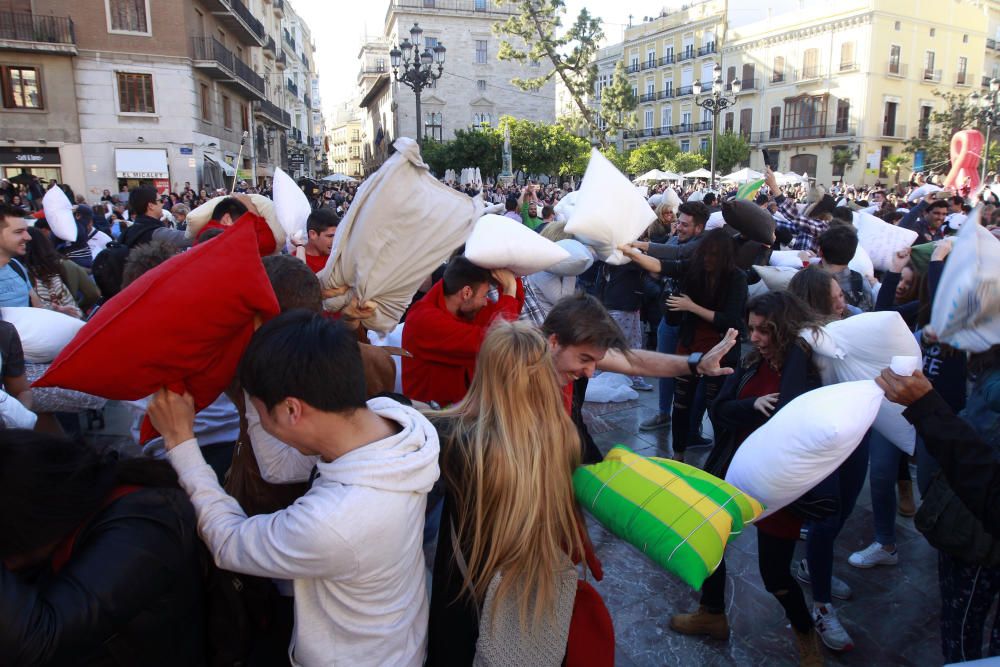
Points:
(894, 52)
(775, 127)
(635, 63)
(481, 119)
(805, 117)
(648, 119)
(668, 53)
(433, 125)
(703, 145)
(810, 64)
(650, 88)
(244, 118)
(128, 16)
(746, 121)
(748, 76)
(897, 26)
(803, 163)
(963, 66)
(668, 88)
(666, 116)
(635, 90)
(928, 66)
(706, 118)
(686, 121)
(480, 5)
(206, 104)
(924, 126)
(481, 85)
(965, 39)
(728, 122)
(846, 56)
(227, 112)
(650, 58)
(135, 93)
(686, 146)
(889, 119)
(480, 51)
(778, 71)
(886, 152)
(21, 88)
(730, 76)
(843, 116)
(933, 32)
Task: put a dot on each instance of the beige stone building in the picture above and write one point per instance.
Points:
(345, 140)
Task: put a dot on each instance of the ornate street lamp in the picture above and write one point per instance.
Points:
(415, 69)
(716, 103)
(988, 111)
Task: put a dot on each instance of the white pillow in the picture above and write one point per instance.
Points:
(497, 242)
(862, 263)
(12, 413)
(776, 277)
(880, 239)
(673, 201)
(59, 214)
(922, 192)
(804, 442)
(859, 348)
(392, 339)
(564, 207)
(609, 210)
(715, 221)
(580, 259)
(789, 258)
(966, 311)
(291, 206)
(43, 333)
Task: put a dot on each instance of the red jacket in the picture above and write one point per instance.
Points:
(444, 347)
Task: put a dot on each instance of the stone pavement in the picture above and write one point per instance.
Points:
(893, 616)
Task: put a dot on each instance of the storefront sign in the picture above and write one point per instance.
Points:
(29, 156)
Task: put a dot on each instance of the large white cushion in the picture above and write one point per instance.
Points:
(859, 348)
(580, 259)
(291, 206)
(59, 214)
(609, 211)
(13, 414)
(402, 224)
(776, 278)
(880, 239)
(804, 442)
(44, 333)
(498, 242)
(862, 263)
(966, 311)
(789, 258)
(564, 207)
(923, 191)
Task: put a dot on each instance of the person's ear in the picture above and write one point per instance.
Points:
(467, 293)
(553, 342)
(290, 411)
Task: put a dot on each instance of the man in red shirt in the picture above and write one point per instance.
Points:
(444, 330)
(321, 227)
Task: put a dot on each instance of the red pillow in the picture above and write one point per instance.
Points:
(183, 325)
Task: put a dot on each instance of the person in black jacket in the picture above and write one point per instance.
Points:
(99, 556)
(145, 206)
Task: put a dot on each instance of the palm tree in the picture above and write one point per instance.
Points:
(843, 158)
(896, 163)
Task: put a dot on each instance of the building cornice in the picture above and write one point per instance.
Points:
(796, 34)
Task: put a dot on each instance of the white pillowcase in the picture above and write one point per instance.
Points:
(498, 242)
(43, 333)
(862, 263)
(776, 277)
(59, 214)
(789, 258)
(859, 348)
(804, 442)
(609, 211)
(291, 206)
(881, 240)
(966, 311)
(564, 207)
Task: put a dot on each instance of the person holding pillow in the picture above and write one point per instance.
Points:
(321, 228)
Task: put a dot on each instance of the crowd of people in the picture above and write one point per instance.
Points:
(288, 520)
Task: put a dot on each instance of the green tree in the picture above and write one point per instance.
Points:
(540, 148)
(618, 103)
(616, 157)
(538, 35)
(683, 163)
(651, 155)
(958, 114)
(730, 150)
(842, 160)
(477, 147)
(437, 155)
(896, 163)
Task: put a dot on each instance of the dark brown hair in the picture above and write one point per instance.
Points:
(580, 319)
(785, 315)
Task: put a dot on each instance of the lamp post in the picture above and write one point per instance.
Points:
(989, 114)
(715, 103)
(417, 68)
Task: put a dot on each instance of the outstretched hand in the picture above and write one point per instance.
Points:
(710, 363)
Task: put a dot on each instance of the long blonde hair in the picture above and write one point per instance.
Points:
(509, 452)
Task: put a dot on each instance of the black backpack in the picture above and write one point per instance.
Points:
(108, 267)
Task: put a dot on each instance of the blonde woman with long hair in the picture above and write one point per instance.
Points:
(509, 522)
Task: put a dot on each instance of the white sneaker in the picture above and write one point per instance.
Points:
(838, 587)
(830, 630)
(873, 555)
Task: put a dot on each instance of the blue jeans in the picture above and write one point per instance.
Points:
(884, 476)
(822, 534)
(666, 342)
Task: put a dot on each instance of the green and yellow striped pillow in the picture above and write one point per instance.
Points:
(676, 514)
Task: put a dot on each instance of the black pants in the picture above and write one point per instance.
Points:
(685, 388)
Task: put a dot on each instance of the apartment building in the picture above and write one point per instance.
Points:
(346, 145)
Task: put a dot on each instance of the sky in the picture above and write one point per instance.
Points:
(338, 29)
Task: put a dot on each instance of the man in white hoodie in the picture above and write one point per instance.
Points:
(351, 544)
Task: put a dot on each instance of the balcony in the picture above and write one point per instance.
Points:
(632, 69)
(270, 49)
(665, 94)
(703, 126)
(685, 90)
(270, 111)
(991, 43)
(686, 54)
(707, 50)
(239, 21)
(279, 8)
(747, 85)
(23, 31)
(297, 134)
(896, 70)
(215, 60)
(809, 133)
(288, 39)
(848, 67)
(305, 61)
(282, 60)
(809, 74)
(647, 64)
(667, 60)
(893, 131)
(931, 76)
(292, 88)
(647, 97)
(963, 79)
(986, 81)
(308, 101)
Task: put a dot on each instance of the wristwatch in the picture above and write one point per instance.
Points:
(693, 360)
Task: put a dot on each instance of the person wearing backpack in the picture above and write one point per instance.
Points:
(99, 558)
(504, 587)
(15, 285)
(837, 246)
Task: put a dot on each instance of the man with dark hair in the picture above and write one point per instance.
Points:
(927, 218)
(352, 544)
(228, 211)
(510, 206)
(321, 228)
(15, 286)
(444, 329)
(584, 338)
(837, 247)
(146, 208)
(293, 283)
